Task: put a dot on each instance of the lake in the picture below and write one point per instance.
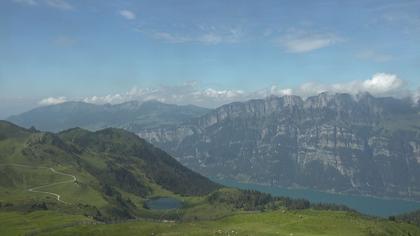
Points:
(164, 203)
(364, 204)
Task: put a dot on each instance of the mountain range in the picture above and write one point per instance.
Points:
(332, 142)
(132, 116)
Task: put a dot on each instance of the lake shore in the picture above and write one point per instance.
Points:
(369, 205)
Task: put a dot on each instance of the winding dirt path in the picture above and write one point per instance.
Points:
(35, 189)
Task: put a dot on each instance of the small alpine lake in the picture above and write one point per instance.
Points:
(364, 204)
(164, 203)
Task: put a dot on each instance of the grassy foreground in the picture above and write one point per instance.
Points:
(306, 222)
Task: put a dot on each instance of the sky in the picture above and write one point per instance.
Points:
(203, 52)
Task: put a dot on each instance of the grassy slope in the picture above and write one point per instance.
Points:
(111, 157)
(17, 179)
(295, 223)
(118, 150)
(18, 223)
(410, 217)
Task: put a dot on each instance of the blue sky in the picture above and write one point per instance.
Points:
(203, 52)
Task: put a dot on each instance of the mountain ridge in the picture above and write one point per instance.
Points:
(334, 142)
(132, 115)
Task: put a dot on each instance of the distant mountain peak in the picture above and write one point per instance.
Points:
(131, 115)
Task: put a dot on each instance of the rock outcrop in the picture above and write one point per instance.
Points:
(333, 142)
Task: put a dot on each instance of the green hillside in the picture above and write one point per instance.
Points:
(79, 182)
(297, 223)
(115, 170)
(410, 217)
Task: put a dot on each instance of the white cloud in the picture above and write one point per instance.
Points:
(127, 14)
(277, 91)
(59, 4)
(381, 84)
(52, 101)
(112, 98)
(211, 38)
(26, 2)
(398, 15)
(301, 41)
(374, 56)
(218, 94)
(208, 35)
(171, 38)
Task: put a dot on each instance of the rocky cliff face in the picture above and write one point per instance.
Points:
(334, 142)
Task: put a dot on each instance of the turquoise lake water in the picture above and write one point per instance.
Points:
(364, 204)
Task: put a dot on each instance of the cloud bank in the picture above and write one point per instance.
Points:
(380, 84)
(188, 93)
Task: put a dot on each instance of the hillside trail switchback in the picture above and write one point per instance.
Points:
(36, 188)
